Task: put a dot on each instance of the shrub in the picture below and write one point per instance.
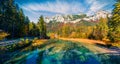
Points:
(3, 35)
(100, 31)
(22, 39)
(26, 41)
(16, 46)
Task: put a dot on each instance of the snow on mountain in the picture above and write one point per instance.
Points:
(59, 18)
(79, 17)
(98, 15)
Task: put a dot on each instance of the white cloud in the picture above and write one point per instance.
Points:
(56, 7)
(34, 10)
(96, 5)
(90, 1)
(64, 7)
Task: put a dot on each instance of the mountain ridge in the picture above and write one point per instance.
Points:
(79, 17)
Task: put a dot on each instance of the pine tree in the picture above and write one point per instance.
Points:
(42, 27)
(12, 19)
(114, 24)
(33, 30)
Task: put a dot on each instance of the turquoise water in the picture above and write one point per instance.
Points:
(32, 58)
(58, 53)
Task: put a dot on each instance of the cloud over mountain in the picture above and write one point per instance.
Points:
(53, 7)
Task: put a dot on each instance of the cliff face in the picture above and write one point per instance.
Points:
(79, 17)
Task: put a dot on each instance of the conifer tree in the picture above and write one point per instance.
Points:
(42, 27)
(12, 19)
(114, 24)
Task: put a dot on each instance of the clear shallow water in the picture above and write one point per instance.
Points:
(60, 53)
(69, 57)
(32, 58)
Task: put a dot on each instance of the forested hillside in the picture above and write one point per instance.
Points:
(81, 29)
(15, 24)
(12, 19)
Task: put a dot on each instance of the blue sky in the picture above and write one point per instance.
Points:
(34, 8)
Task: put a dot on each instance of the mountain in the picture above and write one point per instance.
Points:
(98, 15)
(65, 18)
(79, 17)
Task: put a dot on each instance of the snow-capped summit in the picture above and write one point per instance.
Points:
(102, 14)
(79, 17)
(59, 18)
(98, 15)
